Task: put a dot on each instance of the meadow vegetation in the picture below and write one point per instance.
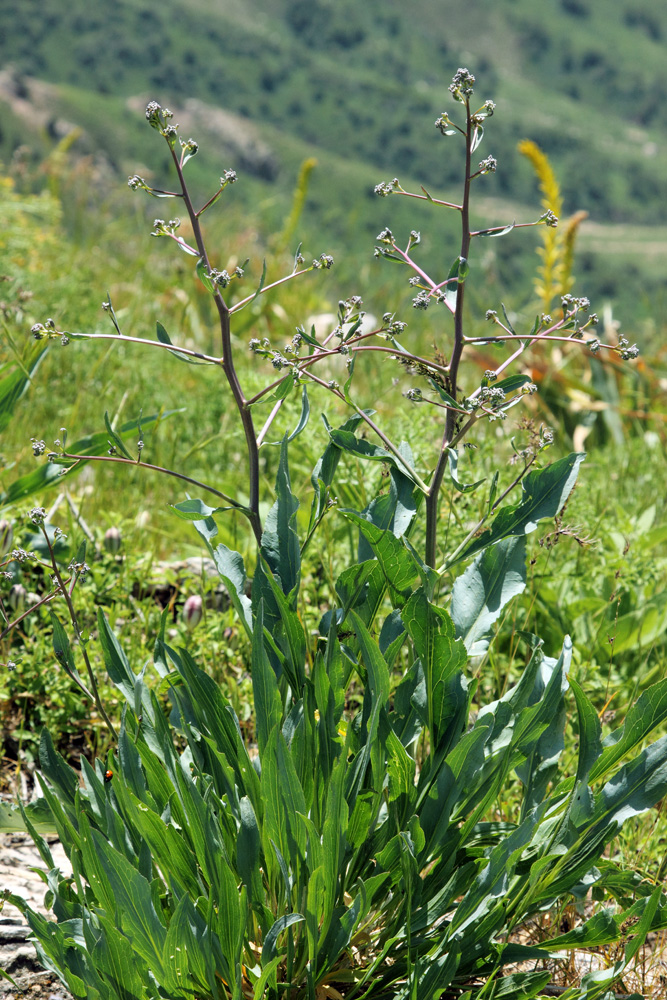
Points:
(348, 679)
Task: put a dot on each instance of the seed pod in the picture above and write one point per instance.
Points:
(192, 611)
(6, 537)
(112, 540)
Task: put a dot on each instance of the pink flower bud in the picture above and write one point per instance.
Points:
(192, 611)
(17, 596)
(6, 537)
(112, 540)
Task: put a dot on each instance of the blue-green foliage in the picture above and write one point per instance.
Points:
(204, 865)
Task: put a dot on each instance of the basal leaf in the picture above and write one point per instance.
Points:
(479, 595)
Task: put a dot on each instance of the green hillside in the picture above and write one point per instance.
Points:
(358, 85)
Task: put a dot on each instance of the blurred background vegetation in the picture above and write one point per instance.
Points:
(265, 85)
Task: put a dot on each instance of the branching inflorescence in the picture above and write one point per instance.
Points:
(296, 362)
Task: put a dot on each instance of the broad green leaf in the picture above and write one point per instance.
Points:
(451, 289)
(204, 276)
(400, 770)
(115, 440)
(376, 665)
(325, 470)
(113, 958)
(60, 774)
(347, 441)
(453, 474)
(636, 787)
(590, 746)
(521, 985)
(542, 760)
(304, 417)
(649, 711)
(248, 853)
(283, 800)
(443, 657)
(268, 704)
(213, 715)
(270, 946)
(62, 648)
(287, 636)
(120, 673)
(185, 947)
(398, 565)
(194, 509)
(280, 541)
(446, 398)
(170, 851)
(133, 904)
(479, 595)
(231, 570)
(544, 492)
(512, 383)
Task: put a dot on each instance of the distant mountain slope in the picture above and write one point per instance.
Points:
(586, 78)
(361, 83)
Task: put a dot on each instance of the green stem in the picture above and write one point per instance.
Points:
(228, 364)
(433, 494)
(158, 468)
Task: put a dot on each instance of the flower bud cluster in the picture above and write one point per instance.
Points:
(349, 311)
(229, 177)
(324, 262)
(47, 331)
(190, 147)
(422, 300)
(462, 84)
(414, 394)
(627, 351)
(158, 118)
(485, 111)
(493, 395)
(37, 515)
(488, 166)
(162, 228)
(137, 183)
(549, 219)
(572, 304)
(385, 188)
(223, 278)
(393, 327)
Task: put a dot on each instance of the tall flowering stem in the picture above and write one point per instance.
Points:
(459, 341)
